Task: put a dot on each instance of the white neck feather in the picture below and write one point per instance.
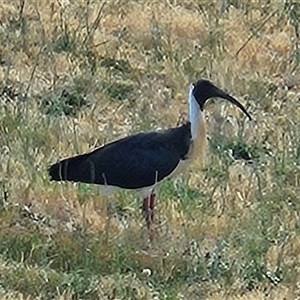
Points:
(195, 114)
(198, 129)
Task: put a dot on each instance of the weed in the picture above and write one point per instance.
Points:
(119, 90)
(67, 103)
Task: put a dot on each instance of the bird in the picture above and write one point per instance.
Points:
(144, 160)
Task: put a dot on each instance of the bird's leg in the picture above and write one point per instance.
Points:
(153, 231)
(152, 205)
(147, 211)
(148, 208)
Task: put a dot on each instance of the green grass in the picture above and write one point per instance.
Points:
(77, 75)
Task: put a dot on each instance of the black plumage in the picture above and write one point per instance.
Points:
(132, 162)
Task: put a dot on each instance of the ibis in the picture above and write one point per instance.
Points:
(144, 160)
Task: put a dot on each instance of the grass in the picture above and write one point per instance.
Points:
(226, 231)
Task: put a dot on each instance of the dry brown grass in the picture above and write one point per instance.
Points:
(243, 213)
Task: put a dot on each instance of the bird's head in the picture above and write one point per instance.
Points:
(203, 90)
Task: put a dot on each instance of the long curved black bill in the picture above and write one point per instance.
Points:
(226, 96)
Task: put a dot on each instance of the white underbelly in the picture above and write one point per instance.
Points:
(180, 168)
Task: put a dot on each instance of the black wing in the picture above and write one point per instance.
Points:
(132, 162)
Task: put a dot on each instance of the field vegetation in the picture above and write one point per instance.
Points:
(76, 74)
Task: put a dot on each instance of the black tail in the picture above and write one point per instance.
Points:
(78, 169)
